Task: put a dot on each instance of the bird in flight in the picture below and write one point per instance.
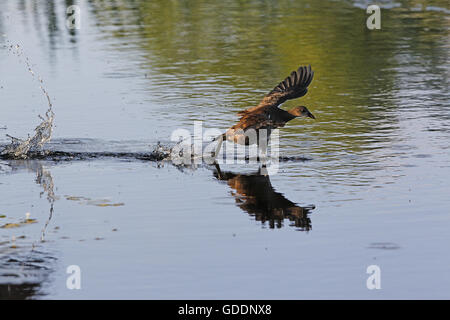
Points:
(267, 116)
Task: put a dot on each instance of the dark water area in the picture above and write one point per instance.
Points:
(365, 184)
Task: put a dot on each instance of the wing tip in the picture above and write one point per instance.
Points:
(303, 76)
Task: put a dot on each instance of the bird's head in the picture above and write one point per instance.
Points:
(301, 111)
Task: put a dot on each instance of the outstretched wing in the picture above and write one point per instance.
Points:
(294, 86)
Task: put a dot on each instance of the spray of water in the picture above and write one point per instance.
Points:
(21, 148)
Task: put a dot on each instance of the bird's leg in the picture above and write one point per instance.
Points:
(262, 159)
(219, 172)
(263, 153)
(219, 146)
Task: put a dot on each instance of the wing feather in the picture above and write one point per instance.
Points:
(294, 86)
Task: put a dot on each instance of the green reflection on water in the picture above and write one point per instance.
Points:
(248, 46)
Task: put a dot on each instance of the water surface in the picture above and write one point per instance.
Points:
(374, 192)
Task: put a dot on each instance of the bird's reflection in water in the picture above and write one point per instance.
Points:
(255, 195)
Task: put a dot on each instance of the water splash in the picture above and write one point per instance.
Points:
(21, 148)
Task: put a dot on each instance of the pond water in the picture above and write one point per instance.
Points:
(372, 189)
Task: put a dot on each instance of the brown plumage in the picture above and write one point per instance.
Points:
(266, 115)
